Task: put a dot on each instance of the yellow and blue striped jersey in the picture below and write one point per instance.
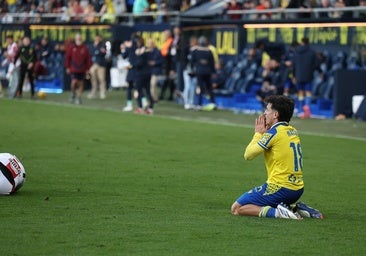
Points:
(282, 154)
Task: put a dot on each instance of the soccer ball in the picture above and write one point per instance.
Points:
(12, 174)
(41, 95)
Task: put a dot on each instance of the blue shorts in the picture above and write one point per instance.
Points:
(307, 87)
(270, 195)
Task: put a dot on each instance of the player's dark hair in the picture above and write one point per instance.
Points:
(283, 104)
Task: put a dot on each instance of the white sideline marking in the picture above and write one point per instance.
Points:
(197, 120)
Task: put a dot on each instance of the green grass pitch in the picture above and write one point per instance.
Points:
(103, 182)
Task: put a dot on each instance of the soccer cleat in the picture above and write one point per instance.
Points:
(128, 108)
(78, 101)
(209, 107)
(149, 111)
(145, 104)
(72, 98)
(91, 96)
(139, 111)
(307, 211)
(285, 213)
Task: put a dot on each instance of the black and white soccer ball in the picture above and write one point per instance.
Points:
(12, 174)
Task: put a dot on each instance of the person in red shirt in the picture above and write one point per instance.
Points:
(264, 5)
(234, 5)
(77, 64)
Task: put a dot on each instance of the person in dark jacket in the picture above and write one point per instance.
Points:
(128, 53)
(168, 66)
(77, 64)
(98, 69)
(304, 64)
(204, 67)
(27, 56)
(45, 50)
(142, 81)
(156, 63)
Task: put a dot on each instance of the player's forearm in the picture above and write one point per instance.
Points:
(253, 149)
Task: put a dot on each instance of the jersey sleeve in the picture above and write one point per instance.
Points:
(253, 149)
(259, 144)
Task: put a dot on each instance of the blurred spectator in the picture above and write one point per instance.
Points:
(168, 67)
(274, 76)
(28, 58)
(155, 63)
(58, 56)
(253, 57)
(129, 5)
(189, 75)
(304, 64)
(58, 52)
(142, 80)
(289, 86)
(90, 14)
(39, 68)
(175, 53)
(344, 3)
(77, 10)
(119, 8)
(233, 5)
(263, 5)
(98, 69)
(140, 7)
(214, 54)
(3, 9)
(186, 4)
(107, 11)
(362, 14)
(45, 50)
(128, 53)
(30, 14)
(46, 4)
(204, 66)
(299, 4)
(58, 6)
(262, 55)
(173, 5)
(77, 64)
(325, 4)
(12, 6)
(68, 12)
(219, 77)
(339, 4)
(12, 66)
(249, 5)
(266, 89)
(25, 5)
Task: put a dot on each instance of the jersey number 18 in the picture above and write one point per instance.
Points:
(297, 155)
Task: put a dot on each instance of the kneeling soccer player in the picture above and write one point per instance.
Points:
(280, 144)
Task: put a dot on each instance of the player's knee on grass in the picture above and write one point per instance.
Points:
(235, 208)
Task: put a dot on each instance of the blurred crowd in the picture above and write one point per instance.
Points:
(85, 11)
(306, 6)
(185, 69)
(110, 11)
